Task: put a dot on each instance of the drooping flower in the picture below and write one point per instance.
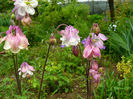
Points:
(15, 41)
(97, 78)
(23, 7)
(26, 69)
(26, 21)
(94, 64)
(91, 51)
(52, 40)
(75, 51)
(69, 36)
(93, 72)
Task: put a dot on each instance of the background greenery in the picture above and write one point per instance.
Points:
(63, 69)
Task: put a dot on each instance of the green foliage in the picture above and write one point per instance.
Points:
(4, 19)
(6, 5)
(115, 88)
(121, 40)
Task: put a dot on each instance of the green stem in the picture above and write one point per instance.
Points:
(16, 73)
(43, 71)
(87, 73)
(81, 55)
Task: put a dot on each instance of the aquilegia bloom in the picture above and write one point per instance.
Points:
(94, 43)
(91, 51)
(69, 36)
(98, 40)
(15, 41)
(23, 7)
(26, 21)
(26, 69)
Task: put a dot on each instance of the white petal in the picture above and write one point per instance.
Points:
(15, 51)
(29, 72)
(7, 45)
(19, 73)
(30, 10)
(21, 11)
(24, 75)
(34, 3)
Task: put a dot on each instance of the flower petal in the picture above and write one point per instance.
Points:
(30, 10)
(34, 3)
(87, 51)
(96, 52)
(21, 11)
(102, 36)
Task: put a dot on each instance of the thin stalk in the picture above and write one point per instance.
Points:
(43, 71)
(105, 84)
(87, 80)
(81, 55)
(59, 27)
(16, 73)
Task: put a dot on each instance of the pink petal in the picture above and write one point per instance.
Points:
(87, 51)
(99, 44)
(94, 64)
(31, 68)
(102, 36)
(23, 41)
(14, 42)
(92, 72)
(96, 52)
(97, 77)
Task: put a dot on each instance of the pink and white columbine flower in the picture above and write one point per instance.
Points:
(23, 7)
(26, 69)
(98, 40)
(91, 51)
(15, 42)
(70, 36)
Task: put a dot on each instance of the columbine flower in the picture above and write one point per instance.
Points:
(98, 40)
(26, 21)
(69, 36)
(26, 69)
(24, 7)
(94, 64)
(91, 51)
(16, 41)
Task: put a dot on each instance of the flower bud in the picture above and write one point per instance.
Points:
(52, 39)
(75, 51)
(13, 16)
(95, 28)
(26, 21)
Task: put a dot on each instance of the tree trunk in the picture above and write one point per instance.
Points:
(111, 6)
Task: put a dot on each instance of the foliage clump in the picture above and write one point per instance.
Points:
(124, 67)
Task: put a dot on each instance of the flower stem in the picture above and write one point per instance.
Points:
(16, 73)
(87, 73)
(59, 27)
(105, 84)
(81, 55)
(43, 71)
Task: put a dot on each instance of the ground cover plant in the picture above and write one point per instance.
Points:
(57, 50)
